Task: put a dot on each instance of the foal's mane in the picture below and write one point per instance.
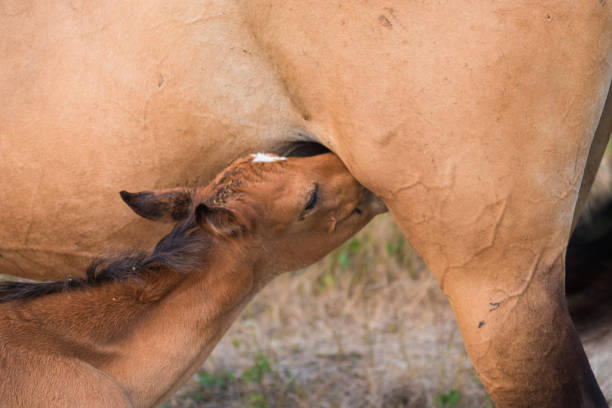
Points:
(184, 248)
(181, 250)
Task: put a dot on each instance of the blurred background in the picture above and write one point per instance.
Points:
(366, 327)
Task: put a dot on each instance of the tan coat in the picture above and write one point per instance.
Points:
(473, 120)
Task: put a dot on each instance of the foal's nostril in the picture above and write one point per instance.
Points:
(357, 211)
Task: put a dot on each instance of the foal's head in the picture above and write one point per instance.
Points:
(281, 213)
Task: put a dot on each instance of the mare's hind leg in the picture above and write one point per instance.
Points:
(501, 264)
(494, 233)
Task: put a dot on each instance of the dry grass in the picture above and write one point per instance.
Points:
(366, 327)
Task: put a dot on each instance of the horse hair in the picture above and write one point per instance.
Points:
(182, 249)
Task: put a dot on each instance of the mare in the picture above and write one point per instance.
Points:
(479, 123)
(141, 324)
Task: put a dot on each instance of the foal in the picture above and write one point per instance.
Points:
(141, 324)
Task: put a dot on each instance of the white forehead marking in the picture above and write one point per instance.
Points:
(266, 158)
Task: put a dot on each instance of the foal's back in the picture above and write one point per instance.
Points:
(41, 367)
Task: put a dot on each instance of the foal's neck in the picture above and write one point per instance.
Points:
(170, 344)
(148, 347)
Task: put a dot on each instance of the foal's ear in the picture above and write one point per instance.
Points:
(218, 220)
(163, 205)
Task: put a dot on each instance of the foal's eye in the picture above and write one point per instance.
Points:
(312, 198)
